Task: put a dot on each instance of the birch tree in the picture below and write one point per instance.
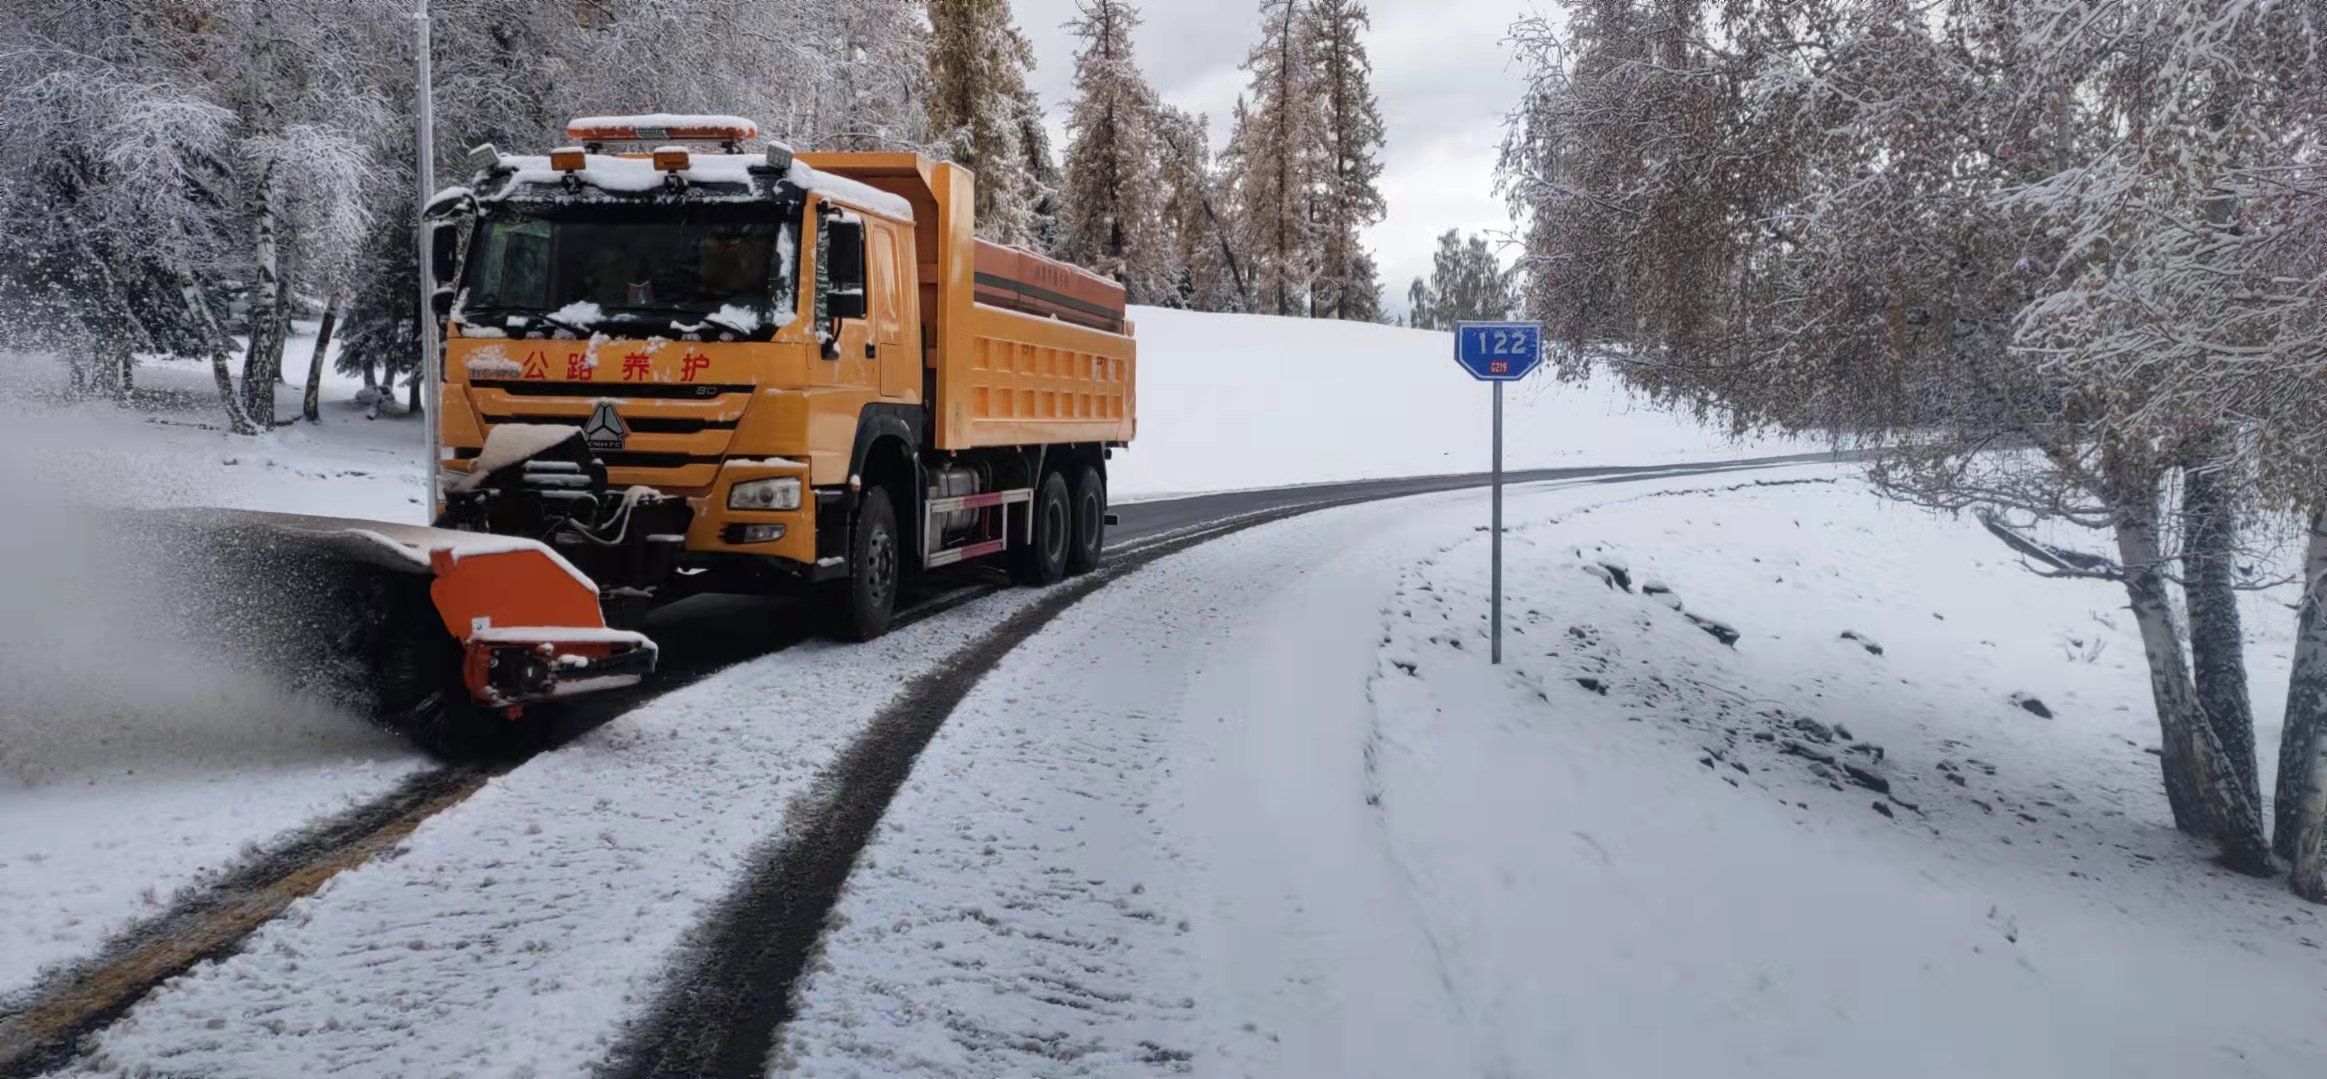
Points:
(862, 72)
(1845, 218)
(1467, 283)
(300, 158)
(113, 177)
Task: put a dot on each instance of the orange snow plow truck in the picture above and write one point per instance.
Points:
(672, 365)
(678, 367)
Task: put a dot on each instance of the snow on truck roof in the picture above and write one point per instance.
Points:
(637, 175)
(661, 125)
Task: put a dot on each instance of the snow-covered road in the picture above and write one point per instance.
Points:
(1264, 809)
(1261, 807)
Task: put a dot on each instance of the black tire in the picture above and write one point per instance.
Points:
(1044, 560)
(1090, 536)
(876, 566)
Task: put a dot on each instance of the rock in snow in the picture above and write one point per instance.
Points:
(1721, 631)
(1863, 641)
(2028, 702)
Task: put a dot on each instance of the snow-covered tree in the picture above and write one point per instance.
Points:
(300, 159)
(1206, 271)
(1467, 284)
(1043, 177)
(978, 111)
(860, 73)
(1897, 226)
(1112, 212)
(1274, 163)
(1348, 196)
(114, 188)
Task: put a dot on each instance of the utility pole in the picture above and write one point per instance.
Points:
(432, 379)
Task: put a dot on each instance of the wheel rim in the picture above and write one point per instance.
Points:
(880, 565)
(1089, 530)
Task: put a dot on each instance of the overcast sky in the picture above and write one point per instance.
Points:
(1441, 71)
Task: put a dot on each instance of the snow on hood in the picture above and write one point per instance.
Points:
(492, 361)
(509, 443)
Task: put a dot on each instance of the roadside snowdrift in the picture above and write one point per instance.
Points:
(1229, 401)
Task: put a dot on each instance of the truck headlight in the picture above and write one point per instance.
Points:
(780, 493)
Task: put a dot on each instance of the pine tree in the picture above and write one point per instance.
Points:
(1274, 163)
(1042, 174)
(978, 108)
(1111, 214)
(1348, 197)
(1206, 269)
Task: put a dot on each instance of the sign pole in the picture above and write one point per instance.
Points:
(1497, 616)
(1498, 352)
(432, 381)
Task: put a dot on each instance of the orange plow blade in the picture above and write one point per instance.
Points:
(446, 635)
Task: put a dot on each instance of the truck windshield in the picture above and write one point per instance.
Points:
(724, 267)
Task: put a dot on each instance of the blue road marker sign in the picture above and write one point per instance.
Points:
(1498, 351)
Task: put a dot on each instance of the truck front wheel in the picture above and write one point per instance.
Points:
(875, 565)
(1044, 560)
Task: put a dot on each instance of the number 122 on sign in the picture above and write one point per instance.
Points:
(1499, 351)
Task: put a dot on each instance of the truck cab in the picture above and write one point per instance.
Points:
(694, 371)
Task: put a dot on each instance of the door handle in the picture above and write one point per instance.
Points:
(870, 353)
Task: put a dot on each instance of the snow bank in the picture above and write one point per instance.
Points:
(1229, 401)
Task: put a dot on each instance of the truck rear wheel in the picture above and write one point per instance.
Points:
(1090, 537)
(875, 566)
(1044, 560)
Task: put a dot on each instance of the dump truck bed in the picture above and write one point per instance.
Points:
(1038, 352)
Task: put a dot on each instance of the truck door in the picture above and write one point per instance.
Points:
(844, 302)
(900, 369)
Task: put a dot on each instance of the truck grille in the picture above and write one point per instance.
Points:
(678, 433)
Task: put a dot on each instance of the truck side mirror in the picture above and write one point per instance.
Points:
(840, 276)
(440, 302)
(846, 303)
(444, 253)
(848, 258)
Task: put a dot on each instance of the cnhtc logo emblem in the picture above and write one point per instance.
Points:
(606, 431)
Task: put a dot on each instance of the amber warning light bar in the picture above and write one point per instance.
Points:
(661, 127)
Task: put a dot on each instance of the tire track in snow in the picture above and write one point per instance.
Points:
(61, 1011)
(724, 1016)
